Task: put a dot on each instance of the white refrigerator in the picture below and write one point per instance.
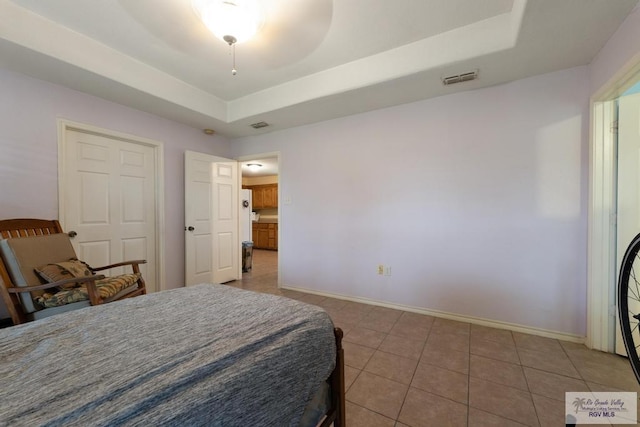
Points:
(245, 215)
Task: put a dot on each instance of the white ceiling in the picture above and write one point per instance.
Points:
(312, 60)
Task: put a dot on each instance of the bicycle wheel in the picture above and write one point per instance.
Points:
(629, 303)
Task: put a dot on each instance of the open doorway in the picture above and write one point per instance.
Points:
(627, 141)
(261, 224)
(605, 213)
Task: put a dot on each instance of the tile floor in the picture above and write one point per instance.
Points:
(406, 369)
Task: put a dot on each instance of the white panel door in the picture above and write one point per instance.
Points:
(628, 183)
(212, 249)
(197, 213)
(109, 201)
(226, 236)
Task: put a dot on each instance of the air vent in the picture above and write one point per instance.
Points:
(259, 125)
(464, 77)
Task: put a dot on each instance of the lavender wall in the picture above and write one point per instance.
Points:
(476, 200)
(622, 49)
(29, 110)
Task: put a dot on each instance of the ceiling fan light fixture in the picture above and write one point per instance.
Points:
(233, 21)
(254, 166)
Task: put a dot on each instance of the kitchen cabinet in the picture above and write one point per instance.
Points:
(265, 235)
(264, 196)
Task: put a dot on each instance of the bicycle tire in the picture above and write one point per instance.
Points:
(629, 314)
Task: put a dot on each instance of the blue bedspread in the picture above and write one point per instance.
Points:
(205, 355)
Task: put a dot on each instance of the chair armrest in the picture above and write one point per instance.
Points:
(120, 264)
(20, 289)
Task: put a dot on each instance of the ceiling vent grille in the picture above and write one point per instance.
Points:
(259, 125)
(459, 78)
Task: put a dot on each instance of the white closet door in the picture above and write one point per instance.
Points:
(109, 201)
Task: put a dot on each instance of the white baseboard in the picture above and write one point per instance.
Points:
(451, 316)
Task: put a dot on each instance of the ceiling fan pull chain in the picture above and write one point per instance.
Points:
(233, 70)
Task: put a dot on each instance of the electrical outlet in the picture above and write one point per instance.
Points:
(380, 269)
(387, 271)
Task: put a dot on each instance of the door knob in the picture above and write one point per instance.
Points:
(190, 228)
(72, 234)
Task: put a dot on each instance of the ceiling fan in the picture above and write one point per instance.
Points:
(287, 31)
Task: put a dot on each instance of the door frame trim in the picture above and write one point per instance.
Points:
(158, 151)
(601, 241)
(278, 155)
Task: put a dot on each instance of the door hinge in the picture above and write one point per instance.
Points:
(613, 312)
(614, 127)
(613, 219)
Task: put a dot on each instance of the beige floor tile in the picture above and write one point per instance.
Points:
(583, 354)
(357, 416)
(453, 360)
(445, 326)
(506, 402)
(492, 334)
(447, 341)
(350, 375)
(415, 319)
(552, 385)
(604, 368)
(345, 326)
(441, 378)
(568, 346)
(410, 331)
(392, 366)
(378, 394)
(533, 342)
(402, 346)
(347, 317)
(356, 355)
(312, 299)
(387, 312)
(356, 307)
(331, 311)
(380, 325)
(379, 320)
(292, 294)
(449, 384)
(478, 418)
(554, 362)
(551, 412)
(494, 349)
(422, 409)
(498, 372)
(332, 303)
(366, 337)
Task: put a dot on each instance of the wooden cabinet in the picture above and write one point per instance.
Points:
(265, 235)
(264, 196)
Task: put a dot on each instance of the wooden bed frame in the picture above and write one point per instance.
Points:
(34, 227)
(336, 413)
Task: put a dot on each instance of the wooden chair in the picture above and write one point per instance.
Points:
(26, 245)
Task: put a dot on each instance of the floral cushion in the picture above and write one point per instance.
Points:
(107, 288)
(64, 270)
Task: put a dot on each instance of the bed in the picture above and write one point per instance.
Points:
(207, 355)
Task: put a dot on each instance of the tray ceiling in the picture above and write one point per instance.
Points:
(312, 60)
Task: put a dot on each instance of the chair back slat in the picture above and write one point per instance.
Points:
(24, 227)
